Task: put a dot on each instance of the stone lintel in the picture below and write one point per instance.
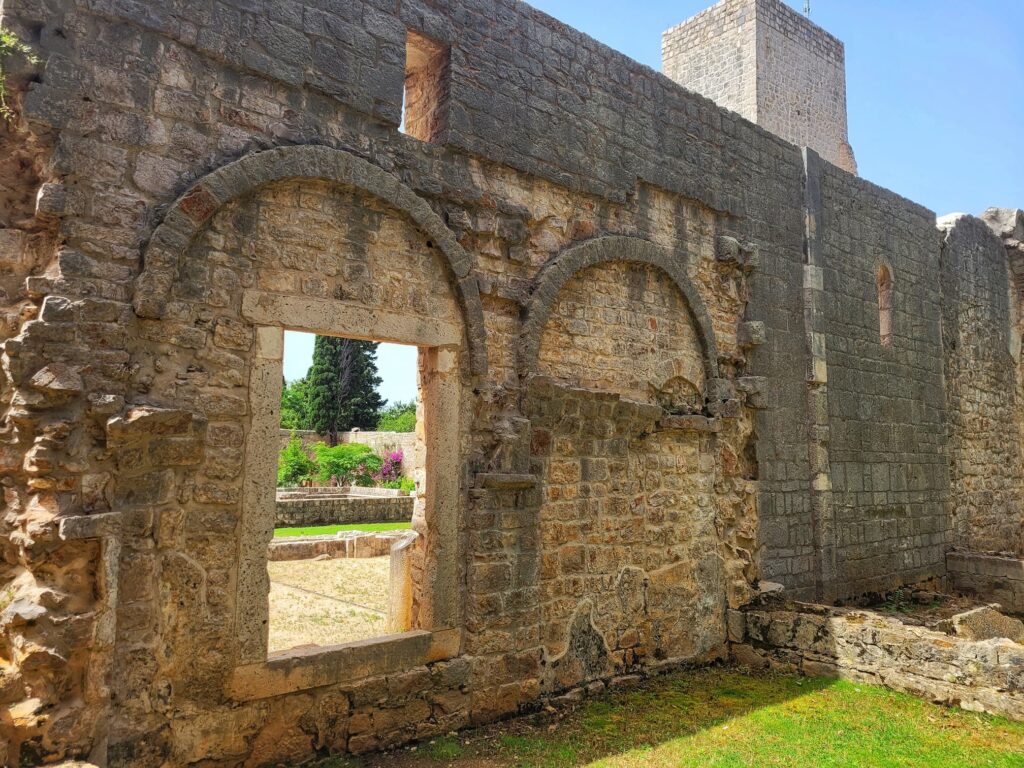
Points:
(326, 317)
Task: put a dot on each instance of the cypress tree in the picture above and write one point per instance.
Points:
(342, 386)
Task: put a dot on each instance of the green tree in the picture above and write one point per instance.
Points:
(295, 405)
(294, 464)
(398, 417)
(350, 463)
(342, 386)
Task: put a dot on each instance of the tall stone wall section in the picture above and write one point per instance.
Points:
(209, 174)
(982, 379)
(137, 355)
(890, 484)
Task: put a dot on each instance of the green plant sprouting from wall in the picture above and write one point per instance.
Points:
(10, 45)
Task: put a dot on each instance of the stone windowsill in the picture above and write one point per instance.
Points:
(306, 668)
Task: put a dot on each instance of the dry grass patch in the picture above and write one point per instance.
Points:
(327, 602)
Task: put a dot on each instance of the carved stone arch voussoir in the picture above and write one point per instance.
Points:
(190, 213)
(560, 269)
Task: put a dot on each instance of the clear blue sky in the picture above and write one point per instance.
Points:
(934, 91)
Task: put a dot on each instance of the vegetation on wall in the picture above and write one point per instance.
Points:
(348, 464)
(10, 45)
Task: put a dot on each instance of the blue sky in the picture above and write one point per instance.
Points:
(934, 90)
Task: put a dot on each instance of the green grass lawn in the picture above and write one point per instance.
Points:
(325, 530)
(724, 718)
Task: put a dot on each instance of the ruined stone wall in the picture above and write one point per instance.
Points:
(131, 512)
(228, 171)
(869, 647)
(985, 409)
(625, 328)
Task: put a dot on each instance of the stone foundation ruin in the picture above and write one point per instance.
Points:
(665, 356)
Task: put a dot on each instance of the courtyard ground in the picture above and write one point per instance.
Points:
(327, 602)
(728, 718)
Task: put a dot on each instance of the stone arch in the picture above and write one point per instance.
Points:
(553, 276)
(190, 212)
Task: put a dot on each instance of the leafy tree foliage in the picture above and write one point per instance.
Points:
(293, 464)
(350, 463)
(398, 417)
(295, 405)
(342, 386)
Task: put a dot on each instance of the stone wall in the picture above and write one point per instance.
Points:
(207, 175)
(801, 83)
(342, 544)
(1000, 579)
(868, 647)
(715, 54)
(342, 510)
(886, 406)
(985, 406)
(625, 328)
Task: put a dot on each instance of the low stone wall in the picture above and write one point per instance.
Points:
(345, 544)
(864, 646)
(995, 578)
(342, 510)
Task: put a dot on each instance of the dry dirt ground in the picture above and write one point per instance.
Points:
(327, 602)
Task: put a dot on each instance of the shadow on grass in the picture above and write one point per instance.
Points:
(729, 718)
(619, 722)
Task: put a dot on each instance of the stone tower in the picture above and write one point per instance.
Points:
(770, 64)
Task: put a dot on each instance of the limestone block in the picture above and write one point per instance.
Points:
(985, 623)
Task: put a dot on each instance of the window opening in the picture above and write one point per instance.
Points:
(348, 476)
(885, 297)
(427, 80)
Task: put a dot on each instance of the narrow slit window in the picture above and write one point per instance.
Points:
(885, 297)
(427, 78)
